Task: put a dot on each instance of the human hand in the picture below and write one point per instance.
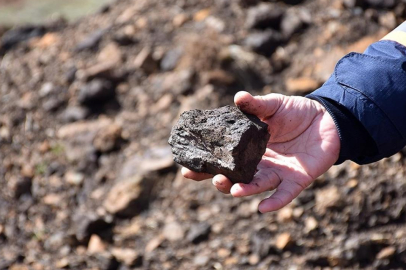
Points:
(304, 144)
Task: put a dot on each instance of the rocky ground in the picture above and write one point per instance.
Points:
(87, 176)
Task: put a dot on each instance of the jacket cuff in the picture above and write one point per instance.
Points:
(356, 143)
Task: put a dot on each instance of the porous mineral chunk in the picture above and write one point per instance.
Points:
(220, 141)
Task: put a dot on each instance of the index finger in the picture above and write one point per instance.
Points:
(195, 175)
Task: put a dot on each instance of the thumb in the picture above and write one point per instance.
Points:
(261, 106)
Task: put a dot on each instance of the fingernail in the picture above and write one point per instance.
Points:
(261, 208)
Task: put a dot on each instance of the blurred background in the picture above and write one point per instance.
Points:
(89, 91)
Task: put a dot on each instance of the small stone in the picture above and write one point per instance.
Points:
(62, 263)
(261, 242)
(96, 91)
(154, 243)
(311, 224)
(223, 253)
(141, 23)
(20, 34)
(327, 198)
(55, 241)
(199, 233)
(5, 135)
(283, 241)
(173, 231)
(301, 85)
(231, 261)
(253, 259)
(129, 196)
(352, 183)
(52, 199)
(27, 171)
(201, 260)
(126, 16)
(145, 61)
(89, 223)
(388, 20)
(171, 59)
(386, 253)
(74, 178)
(265, 15)
(221, 141)
(18, 266)
(49, 39)
(180, 19)
(201, 15)
(285, 214)
(264, 42)
(291, 24)
(27, 101)
(79, 137)
(124, 39)
(218, 77)
(176, 82)
(46, 89)
(70, 74)
(156, 159)
(96, 245)
(21, 186)
(106, 139)
(128, 256)
(111, 53)
(215, 23)
(350, 3)
(91, 41)
(53, 104)
(75, 113)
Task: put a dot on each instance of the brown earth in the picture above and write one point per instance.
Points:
(88, 180)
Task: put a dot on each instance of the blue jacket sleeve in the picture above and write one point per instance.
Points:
(372, 88)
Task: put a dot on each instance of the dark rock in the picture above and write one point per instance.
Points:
(264, 43)
(317, 260)
(17, 35)
(70, 75)
(91, 42)
(264, 16)
(22, 186)
(170, 59)
(293, 2)
(221, 141)
(261, 243)
(381, 3)
(199, 233)
(106, 262)
(124, 39)
(88, 224)
(247, 3)
(97, 90)
(378, 4)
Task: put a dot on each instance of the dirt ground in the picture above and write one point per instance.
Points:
(87, 176)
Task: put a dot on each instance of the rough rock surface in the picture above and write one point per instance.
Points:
(221, 141)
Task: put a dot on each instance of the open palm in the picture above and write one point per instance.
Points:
(304, 143)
